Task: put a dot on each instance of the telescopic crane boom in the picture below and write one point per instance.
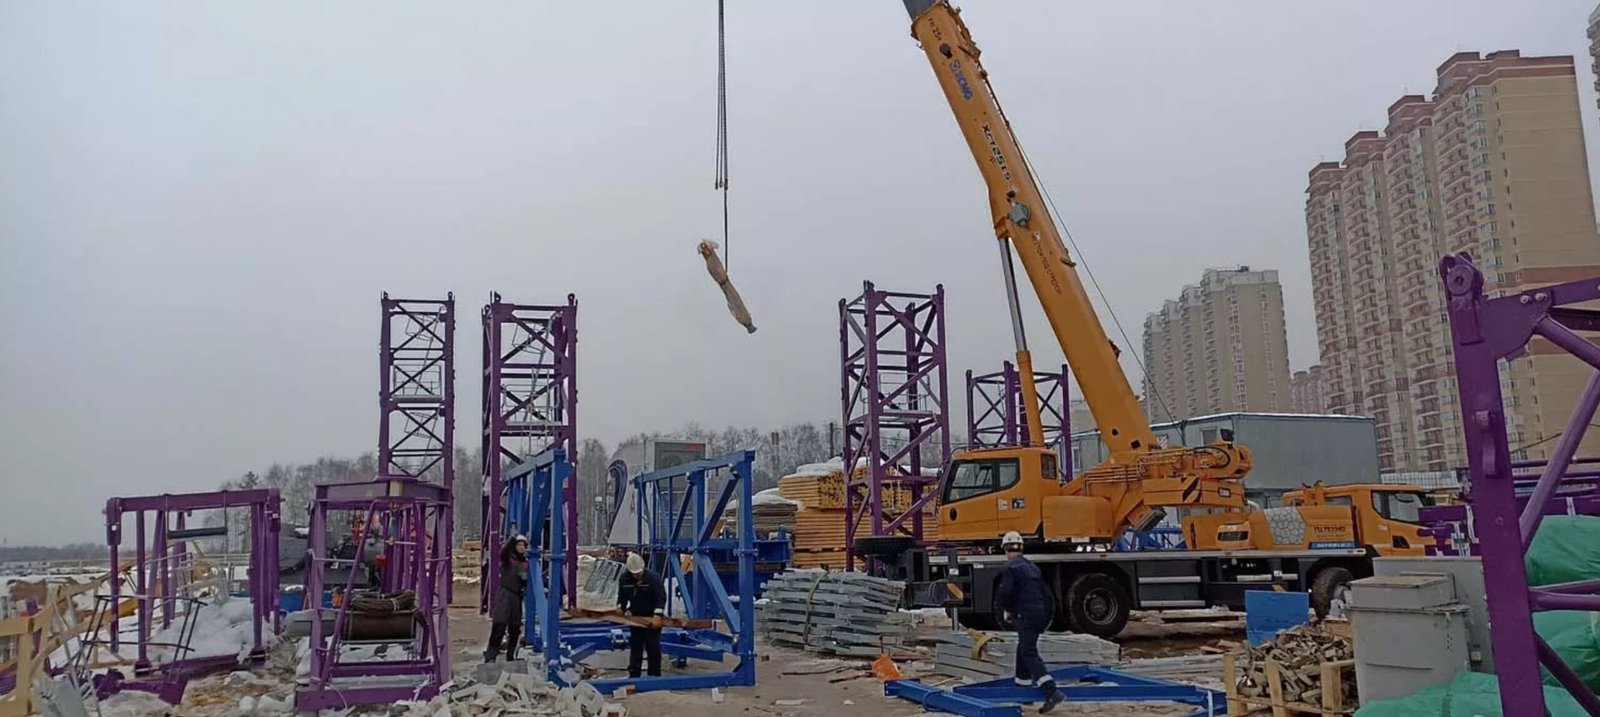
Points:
(990, 491)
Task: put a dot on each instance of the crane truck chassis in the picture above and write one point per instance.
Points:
(1095, 592)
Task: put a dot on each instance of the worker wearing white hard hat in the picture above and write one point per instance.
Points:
(641, 593)
(1026, 600)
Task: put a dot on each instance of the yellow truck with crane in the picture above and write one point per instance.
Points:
(1070, 523)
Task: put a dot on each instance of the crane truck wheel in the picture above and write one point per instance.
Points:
(1097, 604)
(1331, 583)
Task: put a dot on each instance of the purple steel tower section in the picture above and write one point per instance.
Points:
(1486, 331)
(994, 411)
(416, 389)
(530, 405)
(338, 677)
(159, 575)
(893, 389)
(417, 404)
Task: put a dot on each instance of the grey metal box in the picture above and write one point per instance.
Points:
(1403, 592)
(1468, 574)
(1401, 651)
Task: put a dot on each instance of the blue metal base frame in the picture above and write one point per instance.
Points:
(999, 698)
(684, 506)
(583, 639)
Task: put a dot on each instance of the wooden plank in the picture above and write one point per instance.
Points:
(1275, 688)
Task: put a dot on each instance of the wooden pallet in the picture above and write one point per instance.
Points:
(1330, 680)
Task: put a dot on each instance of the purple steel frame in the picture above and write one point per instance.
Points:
(530, 391)
(893, 390)
(416, 392)
(1486, 331)
(416, 402)
(994, 411)
(155, 577)
(420, 511)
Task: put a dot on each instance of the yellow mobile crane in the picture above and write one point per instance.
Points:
(1072, 522)
(986, 496)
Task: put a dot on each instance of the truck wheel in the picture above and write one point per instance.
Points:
(1331, 583)
(1098, 604)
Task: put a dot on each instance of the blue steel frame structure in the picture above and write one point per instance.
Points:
(1000, 698)
(685, 517)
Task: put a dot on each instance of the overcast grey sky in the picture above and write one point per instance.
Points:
(201, 202)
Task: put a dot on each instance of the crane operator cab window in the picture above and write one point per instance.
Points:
(969, 479)
(1404, 507)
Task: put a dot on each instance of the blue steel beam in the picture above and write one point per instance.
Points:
(1079, 684)
(937, 700)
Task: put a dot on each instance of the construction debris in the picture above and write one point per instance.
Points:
(1183, 668)
(846, 614)
(515, 693)
(982, 656)
(708, 249)
(1302, 665)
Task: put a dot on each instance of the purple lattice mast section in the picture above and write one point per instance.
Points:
(416, 391)
(1486, 331)
(995, 411)
(414, 512)
(893, 390)
(530, 405)
(416, 406)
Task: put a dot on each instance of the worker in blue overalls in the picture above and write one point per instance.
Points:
(1026, 602)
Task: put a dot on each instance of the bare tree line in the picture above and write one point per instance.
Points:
(778, 453)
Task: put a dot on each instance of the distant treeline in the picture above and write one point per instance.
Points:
(42, 553)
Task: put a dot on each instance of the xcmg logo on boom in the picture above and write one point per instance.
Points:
(961, 79)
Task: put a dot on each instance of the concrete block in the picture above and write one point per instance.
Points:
(1403, 592)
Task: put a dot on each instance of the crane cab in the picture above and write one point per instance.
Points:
(990, 491)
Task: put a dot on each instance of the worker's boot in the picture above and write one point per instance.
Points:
(1050, 702)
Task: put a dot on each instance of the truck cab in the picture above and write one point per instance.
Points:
(1382, 518)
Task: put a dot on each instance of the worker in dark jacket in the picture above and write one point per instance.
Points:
(507, 612)
(640, 593)
(1026, 601)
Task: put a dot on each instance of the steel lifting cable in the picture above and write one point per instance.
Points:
(721, 183)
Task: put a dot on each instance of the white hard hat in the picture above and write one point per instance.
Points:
(520, 539)
(635, 563)
(1012, 538)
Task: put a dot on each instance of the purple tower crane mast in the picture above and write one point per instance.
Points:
(994, 411)
(416, 407)
(416, 391)
(530, 405)
(894, 384)
(1485, 332)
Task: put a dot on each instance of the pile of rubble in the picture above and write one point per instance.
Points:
(513, 692)
(1299, 654)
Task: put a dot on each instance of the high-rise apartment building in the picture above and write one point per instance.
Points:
(1493, 164)
(1219, 347)
(1594, 47)
(1305, 391)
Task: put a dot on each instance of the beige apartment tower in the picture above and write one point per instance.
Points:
(1219, 347)
(1493, 164)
